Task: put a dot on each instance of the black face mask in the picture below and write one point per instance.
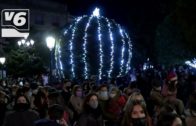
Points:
(139, 122)
(21, 106)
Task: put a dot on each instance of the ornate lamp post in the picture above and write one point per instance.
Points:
(2, 61)
(50, 42)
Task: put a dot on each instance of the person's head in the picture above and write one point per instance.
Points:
(127, 91)
(77, 91)
(21, 99)
(156, 84)
(40, 99)
(172, 81)
(166, 108)
(91, 101)
(138, 111)
(103, 92)
(55, 112)
(136, 114)
(67, 85)
(134, 96)
(21, 103)
(14, 89)
(114, 93)
(169, 119)
(55, 98)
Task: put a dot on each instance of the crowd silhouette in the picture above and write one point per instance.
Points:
(152, 97)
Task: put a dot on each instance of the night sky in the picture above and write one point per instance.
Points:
(127, 13)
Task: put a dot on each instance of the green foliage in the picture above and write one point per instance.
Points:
(24, 62)
(176, 35)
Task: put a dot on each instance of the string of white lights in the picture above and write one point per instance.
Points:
(130, 53)
(71, 46)
(112, 48)
(122, 50)
(84, 47)
(96, 14)
(65, 32)
(191, 63)
(58, 60)
(58, 56)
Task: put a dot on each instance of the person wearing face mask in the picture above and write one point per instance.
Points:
(66, 92)
(103, 98)
(156, 99)
(155, 94)
(115, 107)
(136, 115)
(76, 101)
(91, 114)
(22, 115)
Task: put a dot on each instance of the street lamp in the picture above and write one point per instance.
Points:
(2, 61)
(50, 42)
(26, 43)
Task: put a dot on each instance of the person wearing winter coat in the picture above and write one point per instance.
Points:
(91, 115)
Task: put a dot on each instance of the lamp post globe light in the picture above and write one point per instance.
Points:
(50, 42)
(26, 43)
(2, 61)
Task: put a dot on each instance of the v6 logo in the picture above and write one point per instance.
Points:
(14, 21)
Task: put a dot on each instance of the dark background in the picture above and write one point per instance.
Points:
(158, 28)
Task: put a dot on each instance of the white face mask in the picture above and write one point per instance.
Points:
(93, 104)
(103, 95)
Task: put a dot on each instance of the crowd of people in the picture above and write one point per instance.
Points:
(154, 97)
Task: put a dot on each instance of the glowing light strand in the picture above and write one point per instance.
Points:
(58, 61)
(65, 32)
(58, 52)
(130, 53)
(191, 63)
(100, 47)
(71, 46)
(112, 48)
(57, 58)
(122, 50)
(84, 48)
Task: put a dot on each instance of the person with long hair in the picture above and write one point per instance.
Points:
(91, 115)
(136, 114)
(76, 102)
